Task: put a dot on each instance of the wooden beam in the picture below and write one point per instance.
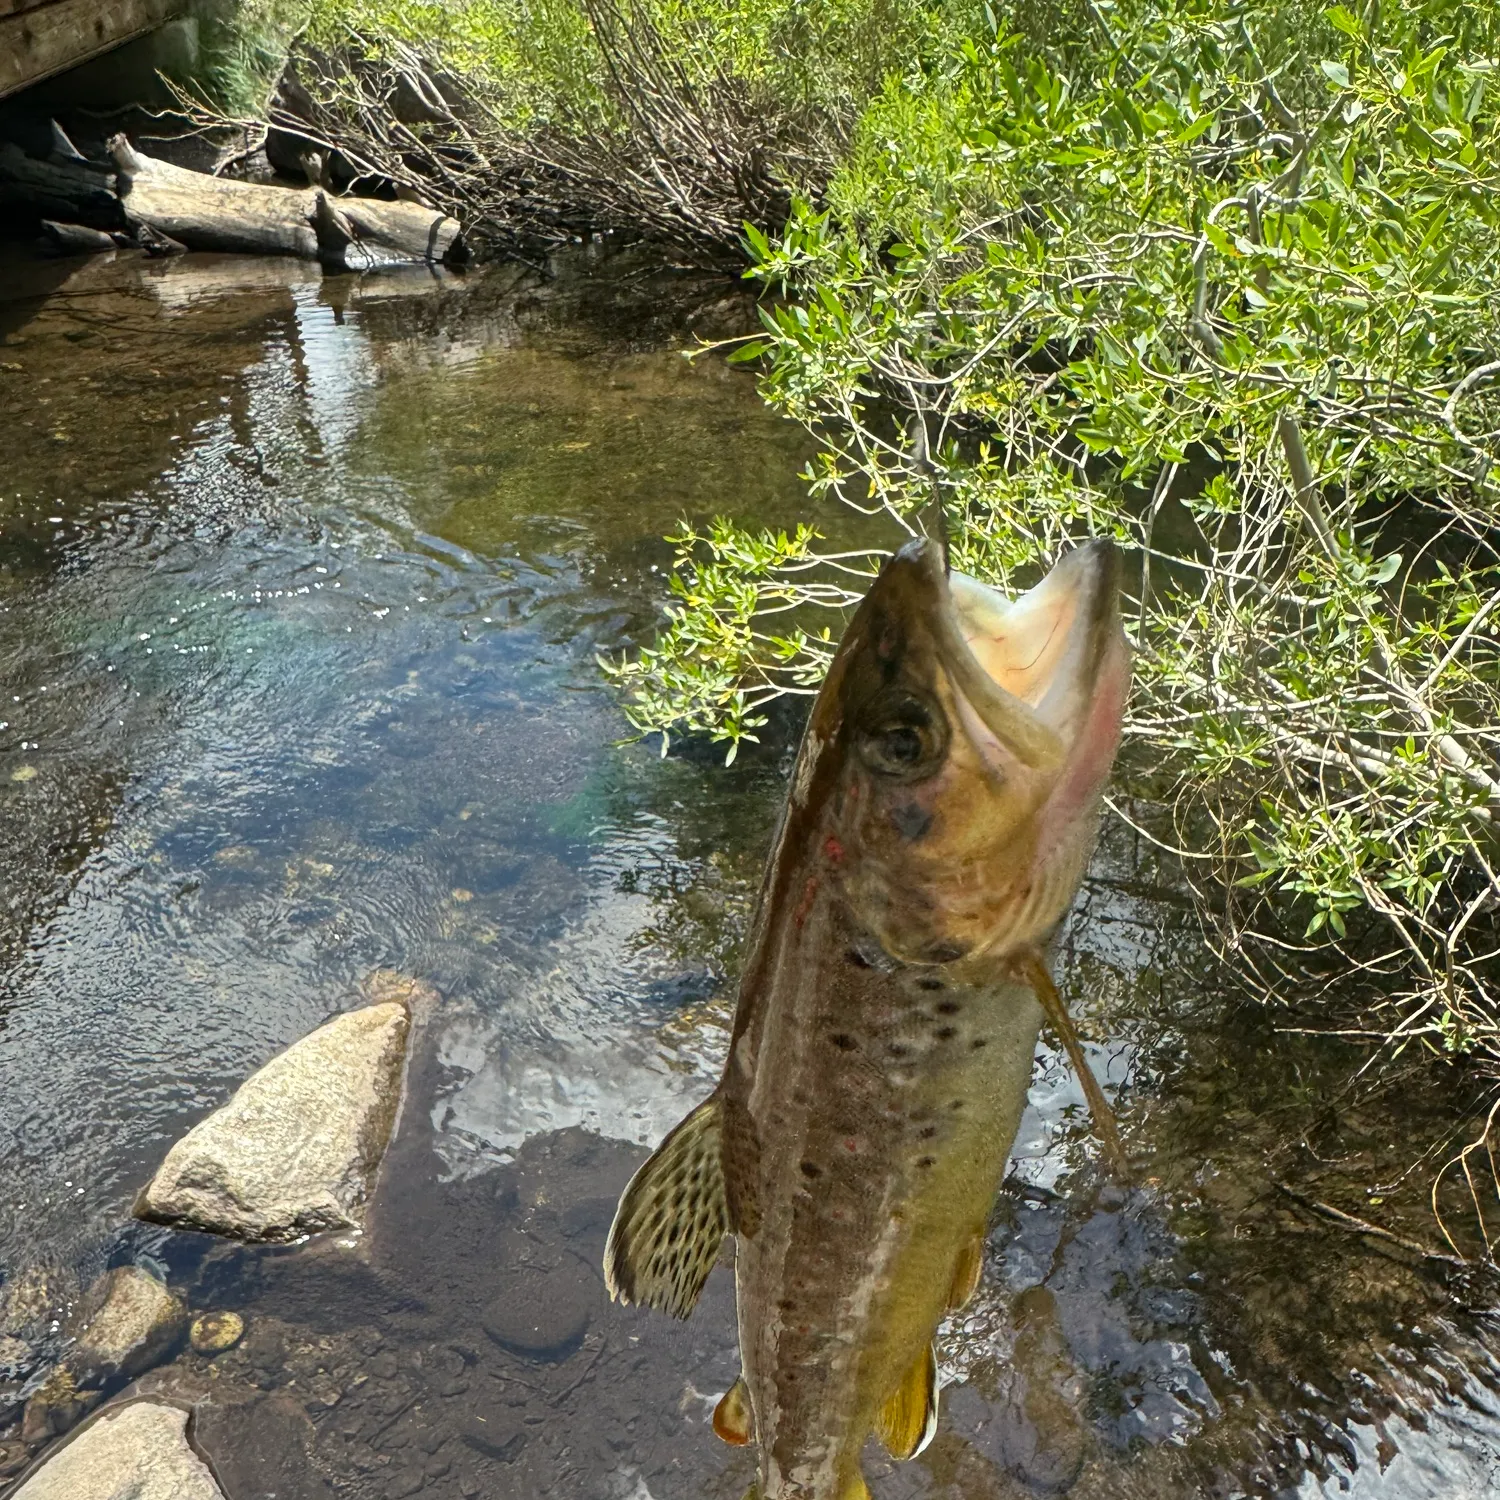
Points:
(41, 37)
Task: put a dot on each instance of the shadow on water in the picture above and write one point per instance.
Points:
(301, 584)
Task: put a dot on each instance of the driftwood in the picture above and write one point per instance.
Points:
(79, 239)
(216, 213)
(138, 199)
(213, 213)
(61, 187)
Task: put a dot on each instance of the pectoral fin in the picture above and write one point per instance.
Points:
(672, 1219)
(908, 1419)
(733, 1419)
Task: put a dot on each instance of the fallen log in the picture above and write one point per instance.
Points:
(213, 213)
(62, 188)
(217, 213)
(362, 234)
(165, 208)
(79, 239)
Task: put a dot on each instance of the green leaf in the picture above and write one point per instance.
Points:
(1200, 126)
(1336, 72)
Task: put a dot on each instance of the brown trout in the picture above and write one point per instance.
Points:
(942, 808)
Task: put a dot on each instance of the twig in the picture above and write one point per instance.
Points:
(1373, 1231)
(1033, 968)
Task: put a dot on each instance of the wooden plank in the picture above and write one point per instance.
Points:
(48, 38)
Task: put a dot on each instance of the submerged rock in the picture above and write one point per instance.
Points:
(15, 1357)
(126, 1322)
(55, 1406)
(138, 1450)
(214, 1332)
(33, 1297)
(295, 1151)
(544, 1316)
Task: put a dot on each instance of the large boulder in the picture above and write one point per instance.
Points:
(295, 1151)
(139, 1450)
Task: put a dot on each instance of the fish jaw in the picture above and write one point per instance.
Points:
(971, 738)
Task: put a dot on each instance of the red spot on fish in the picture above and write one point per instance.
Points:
(850, 1143)
(808, 892)
(833, 849)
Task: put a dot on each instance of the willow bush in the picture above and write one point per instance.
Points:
(1219, 280)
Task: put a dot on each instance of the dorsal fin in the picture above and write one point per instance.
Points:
(908, 1419)
(672, 1218)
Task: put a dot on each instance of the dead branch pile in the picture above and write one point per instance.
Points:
(685, 158)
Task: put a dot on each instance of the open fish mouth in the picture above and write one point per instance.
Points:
(982, 730)
(1030, 671)
(1045, 651)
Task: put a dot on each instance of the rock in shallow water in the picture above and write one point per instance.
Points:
(126, 1322)
(139, 1450)
(214, 1332)
(295, 1151)
(544, 1316)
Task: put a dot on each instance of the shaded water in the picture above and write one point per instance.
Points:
(301, 588)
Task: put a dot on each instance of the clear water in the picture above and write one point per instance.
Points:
(302, 584)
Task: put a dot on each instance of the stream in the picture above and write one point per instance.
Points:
(303, 582)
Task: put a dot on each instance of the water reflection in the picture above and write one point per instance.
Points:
(300, 586)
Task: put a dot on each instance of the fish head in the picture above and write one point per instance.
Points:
(966, 739)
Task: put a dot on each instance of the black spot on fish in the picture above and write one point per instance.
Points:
(948, 1007)
(978, 1042)
(811, 1169)
(844, 1042)
(945, 1033)
(957, 1104)
(857, 958)
(927, 1132)
(910, 820)
(898, 1049)
(927, 1161)
(930, 984)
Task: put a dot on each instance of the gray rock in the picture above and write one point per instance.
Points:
(127, 1322)
(138, 1450)
(543, 1316)
(295, 1151)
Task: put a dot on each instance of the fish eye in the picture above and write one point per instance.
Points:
(902, 737)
